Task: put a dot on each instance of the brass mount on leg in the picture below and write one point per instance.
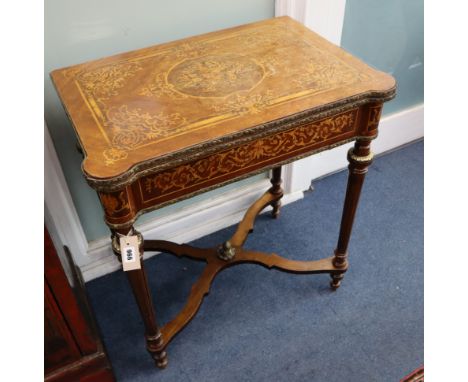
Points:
(226, 251)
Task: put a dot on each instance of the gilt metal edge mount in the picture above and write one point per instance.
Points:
(224, 183)
(360, 159)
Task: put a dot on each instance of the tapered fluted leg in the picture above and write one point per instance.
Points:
(359, 157)
(139, 284)
(276, 190)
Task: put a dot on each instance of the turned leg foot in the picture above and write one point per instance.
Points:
(276, 209)
(161, 360)
(276, 190)
(155, 347)
(336, 280)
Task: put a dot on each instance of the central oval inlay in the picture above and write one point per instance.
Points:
(215, 75)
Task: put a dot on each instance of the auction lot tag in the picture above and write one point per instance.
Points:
(130, 253)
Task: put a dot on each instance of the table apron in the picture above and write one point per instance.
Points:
(158, 189)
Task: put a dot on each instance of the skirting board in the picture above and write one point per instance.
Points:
(191, 223)
(227, 209)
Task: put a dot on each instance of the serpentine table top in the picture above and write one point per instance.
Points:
(151, 109)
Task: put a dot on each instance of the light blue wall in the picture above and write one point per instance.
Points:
(389, 35)
(78, 31)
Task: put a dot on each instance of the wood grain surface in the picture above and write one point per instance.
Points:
(138, 109)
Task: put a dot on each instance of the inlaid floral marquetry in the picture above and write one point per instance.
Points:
(216, 75)
(374, 117)
(116, 206)
(243, 158)
(133, 109)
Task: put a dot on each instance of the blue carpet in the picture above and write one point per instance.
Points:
(260, 325)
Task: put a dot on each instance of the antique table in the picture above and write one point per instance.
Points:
(164, 123)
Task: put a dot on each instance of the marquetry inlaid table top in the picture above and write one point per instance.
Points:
(168, 122)
(136, 110)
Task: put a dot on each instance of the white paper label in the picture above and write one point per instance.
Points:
(130, 253)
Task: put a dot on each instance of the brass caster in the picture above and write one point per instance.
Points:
(161, 360)
(336, 280)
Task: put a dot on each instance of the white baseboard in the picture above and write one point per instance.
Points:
(190, 223)
(400, 128)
